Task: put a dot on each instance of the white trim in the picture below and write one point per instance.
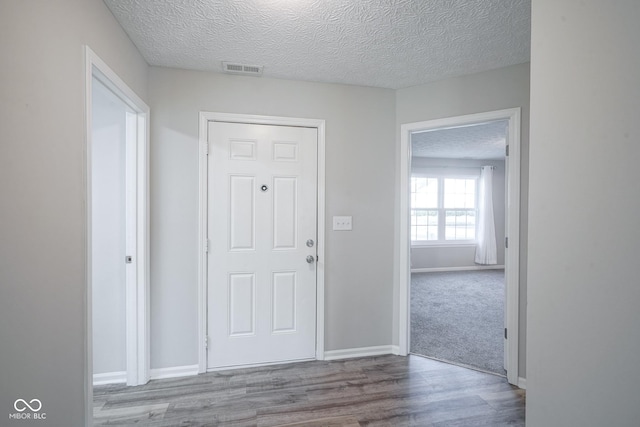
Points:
(174, 372)
(110, 378)
(350, 353)
(465, 268)
(131, 236)
(320, 266)
(138, 356)
(512, 254)
(202, 241)
(205, 118)
(522, 383)
(440, 244)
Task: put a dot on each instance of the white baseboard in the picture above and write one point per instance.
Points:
(522, 383)
(173, 372)
(349, 353)
(110, 378)
(465, 268)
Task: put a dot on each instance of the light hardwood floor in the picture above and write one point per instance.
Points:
(372, 391)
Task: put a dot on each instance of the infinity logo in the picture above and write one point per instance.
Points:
(24, 405)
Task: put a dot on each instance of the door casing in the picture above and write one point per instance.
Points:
(205, 118)
(137, 305)
(512, 253)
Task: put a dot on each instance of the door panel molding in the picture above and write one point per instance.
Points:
(284, 152)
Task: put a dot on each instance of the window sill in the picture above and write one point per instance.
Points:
(443, 245)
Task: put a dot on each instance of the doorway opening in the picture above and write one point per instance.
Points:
(117, 318)
(458, 207)
(261, 263)
(439, 232)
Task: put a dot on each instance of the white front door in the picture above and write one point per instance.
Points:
(262, 208)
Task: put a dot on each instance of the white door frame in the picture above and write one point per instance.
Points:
(205, 118)
(512, 253)
(137, 296)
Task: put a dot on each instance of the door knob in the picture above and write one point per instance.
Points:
(310, 258)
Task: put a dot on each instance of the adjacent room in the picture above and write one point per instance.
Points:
(458, 226)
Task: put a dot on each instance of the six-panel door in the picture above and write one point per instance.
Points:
(262, 213)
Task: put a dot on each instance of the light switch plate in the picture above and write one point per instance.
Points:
(342, 223)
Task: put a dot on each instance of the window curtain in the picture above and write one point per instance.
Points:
(486, 250)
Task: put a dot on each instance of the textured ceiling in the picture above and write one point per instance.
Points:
(482, 141)
(381, 43)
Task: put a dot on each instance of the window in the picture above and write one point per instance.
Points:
(443, 209)
(424, 208)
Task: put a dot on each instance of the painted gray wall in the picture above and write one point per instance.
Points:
(359, 264)
(506, 87)
(42, 239)
(461, 256)
(584, 319)
(108, 221)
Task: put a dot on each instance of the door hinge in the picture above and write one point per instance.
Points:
(206, 245)
(505, 333)
(206, 342)
(506, 242)
(206, 148)
(506, 150)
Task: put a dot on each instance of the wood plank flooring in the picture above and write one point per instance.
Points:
(373, 391)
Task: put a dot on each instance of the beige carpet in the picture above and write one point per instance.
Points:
(327, 422)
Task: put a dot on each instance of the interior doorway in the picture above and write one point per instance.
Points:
(117, 230)
(510, 243)
(110, 226)
(458, 208)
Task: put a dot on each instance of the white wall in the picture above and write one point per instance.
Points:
(108, 221)
(442, 256)
(584, 245)
(506, 87)
(360, 171)
(43, 232)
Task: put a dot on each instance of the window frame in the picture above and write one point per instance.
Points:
(440, 177)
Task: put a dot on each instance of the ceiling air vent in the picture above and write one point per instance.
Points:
(247, 70)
